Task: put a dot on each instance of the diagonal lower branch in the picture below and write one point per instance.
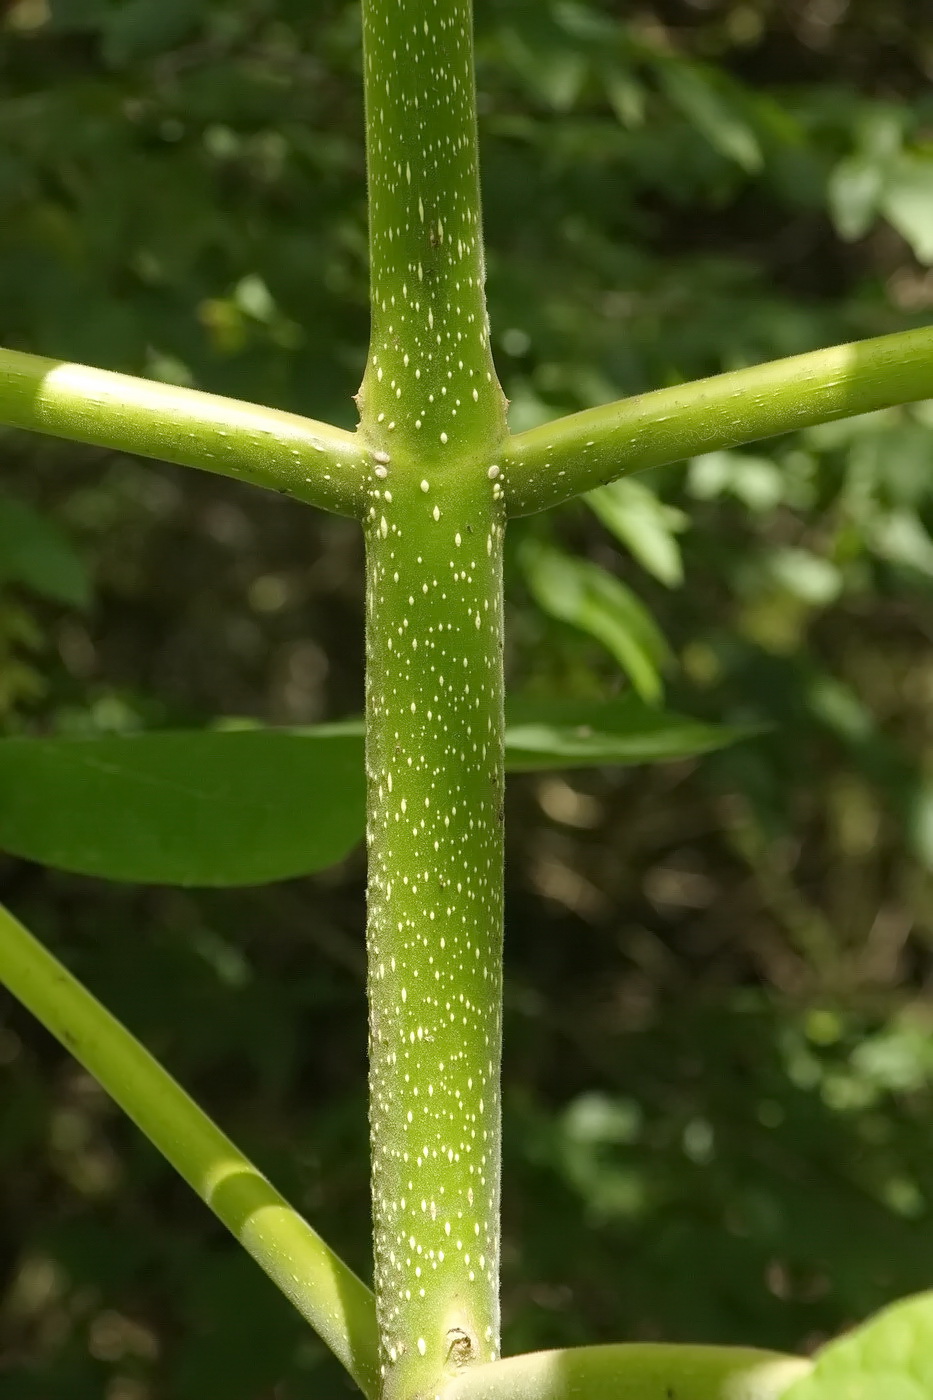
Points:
(633, 1371)
(311, 461)
(323, 1289)
(563, 459)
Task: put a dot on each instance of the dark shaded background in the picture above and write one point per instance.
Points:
(719, 1054)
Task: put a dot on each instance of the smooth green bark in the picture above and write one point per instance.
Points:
(551, 464)
(311, 461)
(434, 416)
(435, 772)
(323, 1289)
(430, 388)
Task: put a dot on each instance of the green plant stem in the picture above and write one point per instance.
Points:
(637, 1371)
(434, 415)
(323, 1289)
(435, 777)
(430, 385)
(311, 461)
(562, 459)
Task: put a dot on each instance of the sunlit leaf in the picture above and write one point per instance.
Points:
(645, 525)
(855, 188)
(587, 733)
(756, 481)
(888, 1358)
(900, 536)
(806, 575)
(587, 597)
(626, 95)
(908, 203)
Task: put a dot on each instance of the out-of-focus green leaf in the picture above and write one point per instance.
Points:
(756, 481)
(855, 189)
(35, 553)
(626, 95)
(889, 1358)
(183, 808)
(806, 575)
(77, 14)
(704, 104)
(907, 202)
(900, 537)
(590, 733)
(645, 525)
(920, 824)
(138, 28)
(585, 596)
(245, 806)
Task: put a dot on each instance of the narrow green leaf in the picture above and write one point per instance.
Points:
(901, 537)
(888, 1358)
(139, 28)
(544, 734)
(645, 525)
(34, 552)
(183, 809)
(246, 806)
(585, 596)
(907, 203)
(722, 123)
(855, 188)
(626, 95)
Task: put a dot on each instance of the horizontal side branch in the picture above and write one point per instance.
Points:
(312, 461)
(633, 1371)
(560, 460)
(325, 1291)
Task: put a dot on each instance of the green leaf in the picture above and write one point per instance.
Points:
(140, 28)
(626, 95)
(806, 575)
(900, 537)
(855, 188)
(35, 553)
(543, 734)
(181, 808)
(720, 120)
(584, 595)
(77, 15)
(756, 481)
(645, 525)
(888, 1358)
(246, 806)
(907, 203)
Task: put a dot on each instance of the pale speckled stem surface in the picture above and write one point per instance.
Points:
(311, 461)
(433, 414)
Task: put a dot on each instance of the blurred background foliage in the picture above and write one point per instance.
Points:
(719, 1059)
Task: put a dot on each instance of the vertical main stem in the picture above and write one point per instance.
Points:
(433, 416)
(430, 385)
(434, 763)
